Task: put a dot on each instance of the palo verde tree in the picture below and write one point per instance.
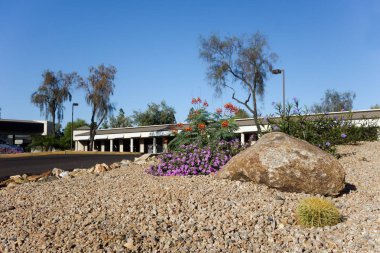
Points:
(99, 88)
(244, 61)
(52, 93)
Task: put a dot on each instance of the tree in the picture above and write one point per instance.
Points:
(66, 138)
(52, 93)
(244, 61)
(99, 87)
(105, 124)
(242, 114)
(334, 101)
(376, 106)
(120, 120)
(156, 114)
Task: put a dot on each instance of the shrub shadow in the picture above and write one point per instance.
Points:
(347, 189)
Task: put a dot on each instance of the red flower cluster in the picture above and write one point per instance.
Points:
(188, 129)
(231, 108)
(219, 110)
(205, 104)
(225, 123)
(180, 125)
(201, 126)
(197, 100)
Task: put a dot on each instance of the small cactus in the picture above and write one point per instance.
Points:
(317, 212)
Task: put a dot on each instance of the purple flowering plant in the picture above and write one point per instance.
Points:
(195, 160)
(9, 149)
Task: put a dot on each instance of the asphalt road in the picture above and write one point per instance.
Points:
(35, 165)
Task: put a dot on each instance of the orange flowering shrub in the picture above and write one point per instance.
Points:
(201, 126)
(225, 123)
(205, 128)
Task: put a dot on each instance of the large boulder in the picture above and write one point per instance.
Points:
(288, 164)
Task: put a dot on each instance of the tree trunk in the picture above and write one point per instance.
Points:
(53, 119)
(255, 111)
(92, 136)
(92, 131)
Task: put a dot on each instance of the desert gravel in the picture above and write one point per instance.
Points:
(127, 210)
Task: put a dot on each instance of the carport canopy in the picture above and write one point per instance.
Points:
(21, 127)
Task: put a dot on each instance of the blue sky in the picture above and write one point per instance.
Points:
(155, 47)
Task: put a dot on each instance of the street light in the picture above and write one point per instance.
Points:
(277, 72)
(72, 124)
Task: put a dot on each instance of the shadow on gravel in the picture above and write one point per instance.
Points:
(348, 188)
(341, 155)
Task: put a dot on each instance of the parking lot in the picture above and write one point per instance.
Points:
(38, 164)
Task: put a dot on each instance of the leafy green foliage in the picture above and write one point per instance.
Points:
(156, 114)
(376, 106)
(121, 120)
(322, 130)
(205, 128)
(105, 124)
(60, 142)
(317, 212)
(334, 101)
(242, 114)
(66, 138)
(46, 143)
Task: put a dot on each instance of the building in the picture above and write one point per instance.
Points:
(20, 132)
(155, 139)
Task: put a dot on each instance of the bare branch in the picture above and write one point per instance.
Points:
(245, 103)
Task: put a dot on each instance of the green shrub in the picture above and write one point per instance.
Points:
(317, 212)
(46, 143)
(323, 130)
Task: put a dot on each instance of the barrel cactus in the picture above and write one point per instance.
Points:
(317, 212)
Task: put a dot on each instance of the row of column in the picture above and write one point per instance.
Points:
(121, 145)
(83, 146)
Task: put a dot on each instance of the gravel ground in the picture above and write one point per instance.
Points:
(127, 210)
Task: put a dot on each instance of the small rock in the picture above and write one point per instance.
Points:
(11, 185)
(114, 166)
(129, 244)
(17, 179)
(100, 168)
(64, 174)
(56, 172)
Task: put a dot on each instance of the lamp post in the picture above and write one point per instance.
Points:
(277, 72)
(72, 125)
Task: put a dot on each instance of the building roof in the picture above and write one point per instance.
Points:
(83, 128)
(355, 115)
(130, 130)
